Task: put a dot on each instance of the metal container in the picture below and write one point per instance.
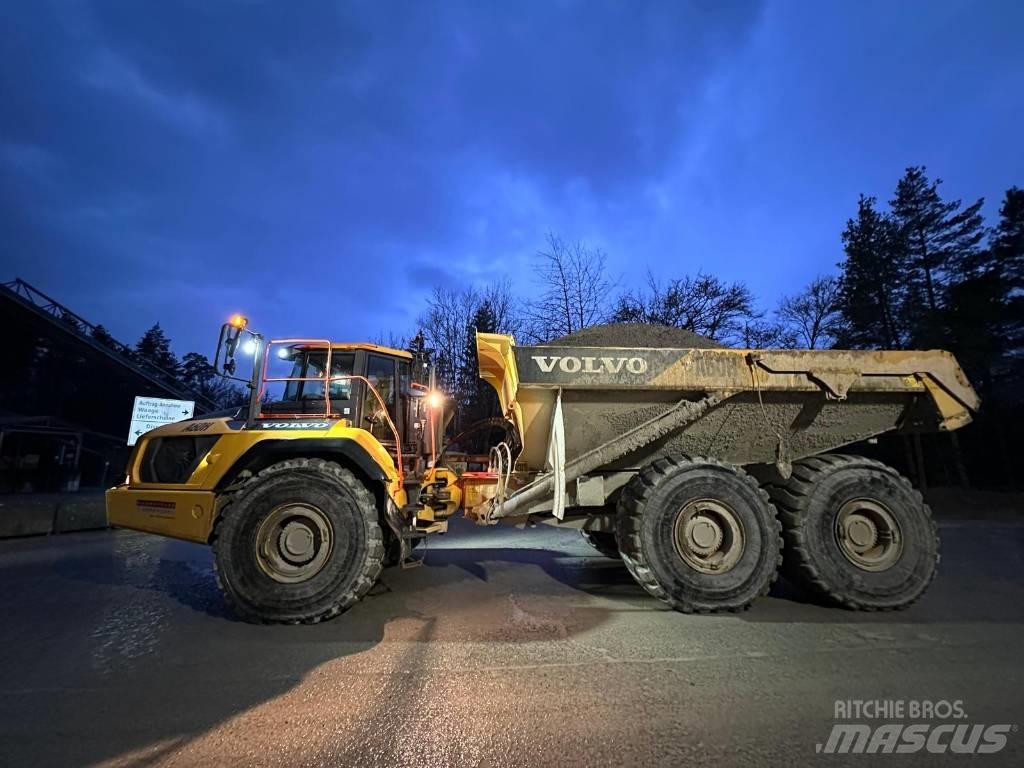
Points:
(602, 410)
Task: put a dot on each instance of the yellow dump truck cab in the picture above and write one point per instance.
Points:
(338, 432)
(177, 472)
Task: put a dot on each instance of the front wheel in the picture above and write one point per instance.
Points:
(699, 535)
(300, 544)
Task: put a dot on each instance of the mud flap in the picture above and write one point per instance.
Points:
(556, 458)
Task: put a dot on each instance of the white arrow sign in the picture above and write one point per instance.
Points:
(152, 412)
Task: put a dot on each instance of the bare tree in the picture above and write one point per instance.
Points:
(703, 304)
(391, 339)
(812, 315)
(765, 334)
(443, 324)
(449, 325)
(574, 289)
(508, 317)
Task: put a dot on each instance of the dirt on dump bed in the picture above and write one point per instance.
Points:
(635, 335)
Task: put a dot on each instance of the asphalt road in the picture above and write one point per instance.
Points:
(508, 648)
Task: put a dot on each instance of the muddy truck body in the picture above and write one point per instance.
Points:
(706, 470)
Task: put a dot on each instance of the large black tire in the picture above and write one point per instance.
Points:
(351, 564)
(603, 541)
(649, 513)
(810, 504)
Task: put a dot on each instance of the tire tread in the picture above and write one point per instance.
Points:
(371, 568)
(632, 502)
(791, 499)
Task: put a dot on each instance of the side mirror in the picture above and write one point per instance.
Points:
(227, 345)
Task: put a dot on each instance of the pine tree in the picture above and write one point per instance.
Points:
(199, 375)
(873, 298)
(155, 347)
(977, 319)
(102, 336)
(1008, 242)
(196, 369)
(1008, 255)
(941, 244)
(478, 398)
(984, 303)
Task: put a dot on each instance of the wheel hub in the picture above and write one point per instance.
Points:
(294, 543)
(297, 542)
(709, 536)
(860, 531)
(703, 534)
(868, 535)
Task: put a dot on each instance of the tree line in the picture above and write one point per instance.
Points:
(922, 271)
(194, 370)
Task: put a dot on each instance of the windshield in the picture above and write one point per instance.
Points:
(311, 365)
(305, 371)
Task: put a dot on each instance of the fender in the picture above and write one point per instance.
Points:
(266, 452)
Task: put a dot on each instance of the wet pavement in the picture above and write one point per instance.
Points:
(508, 648)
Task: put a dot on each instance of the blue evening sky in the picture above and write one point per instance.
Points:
(321, 165)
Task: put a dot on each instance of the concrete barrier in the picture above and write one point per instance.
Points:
(40, 514)
(80, 515)
(26, 515)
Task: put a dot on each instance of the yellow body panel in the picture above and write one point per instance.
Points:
(811, 400)
(352, 346)
(188, 510)
(498, 368)
(935, 372)
(185, 515)
(450, 480)
(477, 491)
(391, 351)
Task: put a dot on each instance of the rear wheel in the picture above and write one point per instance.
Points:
(856, 532)
(300, 543)
(603, 541)
(699, 535)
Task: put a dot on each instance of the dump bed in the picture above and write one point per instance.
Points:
(749, 406)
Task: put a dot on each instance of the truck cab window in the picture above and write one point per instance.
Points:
(304, 393)
(315, 363)
(380, 372)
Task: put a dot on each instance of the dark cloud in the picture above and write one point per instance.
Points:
(319, 165)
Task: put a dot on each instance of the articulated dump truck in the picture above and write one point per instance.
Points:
(705, 470)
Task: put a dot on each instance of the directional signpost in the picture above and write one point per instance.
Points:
(152, 412)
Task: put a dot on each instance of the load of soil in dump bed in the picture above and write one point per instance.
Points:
(635, 335)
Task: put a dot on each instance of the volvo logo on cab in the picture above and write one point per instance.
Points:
(296, 425)
(568, 364)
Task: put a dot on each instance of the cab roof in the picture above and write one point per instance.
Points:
(352, 346)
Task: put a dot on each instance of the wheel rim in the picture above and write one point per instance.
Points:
(869, 535)
(708, 536)
(294, 542)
